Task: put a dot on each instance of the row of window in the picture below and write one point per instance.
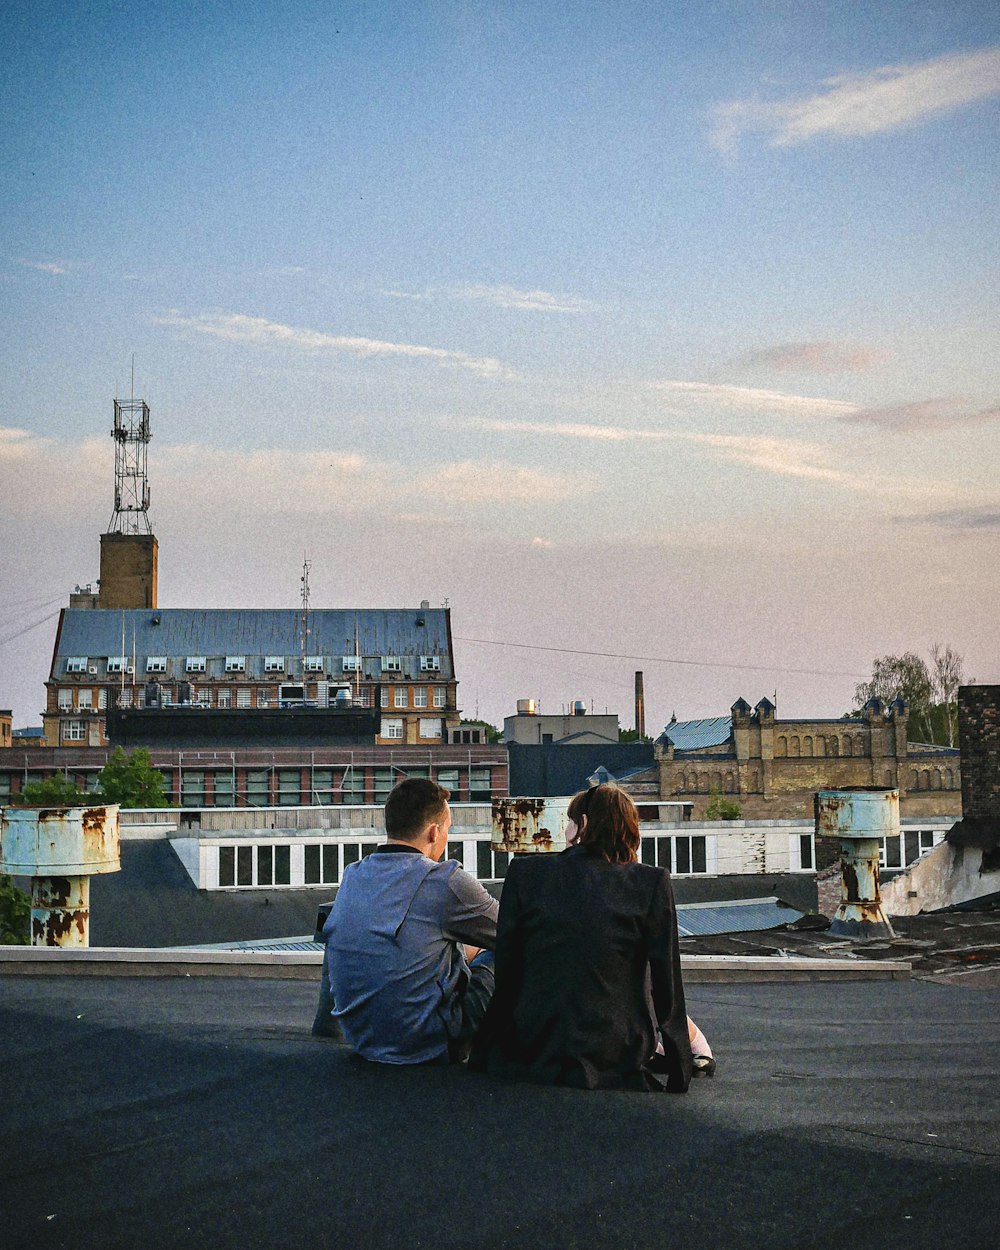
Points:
(402, 697)
(903, 848)
(833, 745)
(238, 663)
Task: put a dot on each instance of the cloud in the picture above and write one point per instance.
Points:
(985, 518)
(47, 266)
(565, 429)
(783, 457)
(752, 399)
(543, 544)
(864, 104)
(925, 414)
(18, 444)
(238, 328)
(820, 357)
(501, 297)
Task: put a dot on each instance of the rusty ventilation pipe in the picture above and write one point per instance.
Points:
(640, 707)
(860, 819)
(60, 849)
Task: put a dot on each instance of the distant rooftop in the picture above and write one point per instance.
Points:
(695, 735)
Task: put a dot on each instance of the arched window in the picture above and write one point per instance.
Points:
(949, 779)
(859, 746)
(781, 746)
(807, 745)
(834, 746)
(848, 749)
(937, 778)
(730, 783)
(703, 783)
(820, 746)
(793, 744)
(925, 779)
(914, 779)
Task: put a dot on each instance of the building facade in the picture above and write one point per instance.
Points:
(397, 662)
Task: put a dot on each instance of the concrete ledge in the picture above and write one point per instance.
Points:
(305, 965)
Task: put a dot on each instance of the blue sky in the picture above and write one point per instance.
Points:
(660, 331)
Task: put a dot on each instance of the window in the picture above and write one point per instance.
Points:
(236, 663)
(64, 700)
(124, 697)
(289, 787)
(156, 663)
(265, 696)
(439, 696)
(391, 664)
(4, 787)
(76, 664)
(491, 865)
(223, 698)
(901, 850)
(401, 697)
(448, 777)
(194, 664)
(383, 696)
(73, 731)
(420, 696)
(166, 696)
(385, 779)
(116, 664)
(350, 663)
(322, 786)
(456, 850)
(430, 727)
(321, 866)
(258, 790)
(430, 664)
(224, 789)
(806, 860)
(313, 664)
(274, 865)
(102, 698)
(354, 785)
(84, 698)
(479, 785)
(274, 663)
(243, 697)
(392, 727)
(682, 854)
(192, 789)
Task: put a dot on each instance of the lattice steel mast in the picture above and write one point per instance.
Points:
(131, 434)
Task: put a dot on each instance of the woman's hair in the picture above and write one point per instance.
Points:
(611, 829)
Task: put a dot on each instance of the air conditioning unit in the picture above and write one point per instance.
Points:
(92, 670)
(130, 669)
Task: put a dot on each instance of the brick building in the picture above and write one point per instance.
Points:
(397, 662)
(773, 767)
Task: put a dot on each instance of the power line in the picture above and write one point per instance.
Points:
(27, 628)
(660, 659)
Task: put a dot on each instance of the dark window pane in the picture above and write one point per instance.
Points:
(244, 865)
(265, 869)
(351, 855)
(367, 848)
(698, 855)
(805, 851)
(912, 843)
(683, 848)
(500, 861)
(282, 865)
(227, 865)
(648, 850)
(893, 857)
(312, 866)
(663, 853)
(455, 850)
(484, 861)
(330, 866)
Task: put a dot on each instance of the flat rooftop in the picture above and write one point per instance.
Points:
(200, 1112)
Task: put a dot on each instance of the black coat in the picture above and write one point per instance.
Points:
(588, 977)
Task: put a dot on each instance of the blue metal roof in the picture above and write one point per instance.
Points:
(693, 735)
(215, 633)
(745, 915)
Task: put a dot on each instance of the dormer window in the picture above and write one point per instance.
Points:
(430, 664)
(76, 664)
(236, 663)
(391, 664)
(195, 664)
(116, 664)
(351, 663)
(156, 664)
(314, 664)
(274, 663)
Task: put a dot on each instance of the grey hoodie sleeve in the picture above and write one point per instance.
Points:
(471, 911)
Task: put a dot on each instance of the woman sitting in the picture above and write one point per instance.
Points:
(588, 977)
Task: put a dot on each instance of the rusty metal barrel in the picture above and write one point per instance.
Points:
(529, 824)
(860, 819)
(60, 848)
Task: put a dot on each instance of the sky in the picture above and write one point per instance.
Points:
(646, 336)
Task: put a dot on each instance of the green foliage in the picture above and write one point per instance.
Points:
(632, 735)
(15, 914)
(492, 733)
(722, 808)
(930, 691)
(54, 791)
(131, 780)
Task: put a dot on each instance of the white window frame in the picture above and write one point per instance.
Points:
(350, 663)
(76, 664)
(236, 663)
(419, 696)
(314, 664)
(195, 664)
(383, 697)
(224, 699)
(401, 697)
(430, 664)
(243, 696)
(431, 727)
(74, 731)
(156, 663)
(64, 699)
(440, 696)
(115, 664)
(391, 664)
(392, 727)
(274, 663)
(85, 698)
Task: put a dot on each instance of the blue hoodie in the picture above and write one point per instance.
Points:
(395, 952)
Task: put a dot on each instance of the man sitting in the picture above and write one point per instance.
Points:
(409, 981)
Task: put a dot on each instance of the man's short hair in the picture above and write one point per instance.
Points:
(413, 805)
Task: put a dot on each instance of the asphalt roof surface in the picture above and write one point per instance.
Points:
(197, 1112)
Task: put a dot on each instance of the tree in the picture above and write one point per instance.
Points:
(900, 676)
(15, 914)
(721, 808)
(632, 735)
(54, 791)
(946, 676)
(131, 780)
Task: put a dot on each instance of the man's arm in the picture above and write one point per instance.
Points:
(471, 912)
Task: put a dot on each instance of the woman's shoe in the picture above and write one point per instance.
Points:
(704, 1065)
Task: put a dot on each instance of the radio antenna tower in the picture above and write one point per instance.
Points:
(305, 631)
(131, 435)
